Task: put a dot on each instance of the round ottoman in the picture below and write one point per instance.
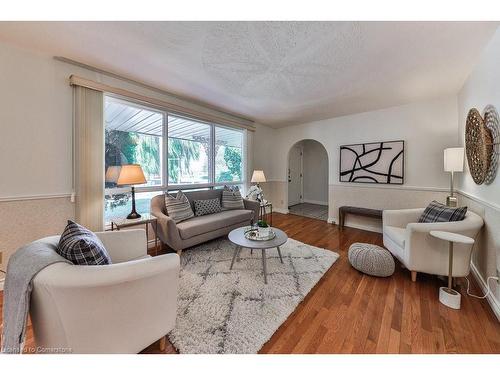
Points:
(371, 259)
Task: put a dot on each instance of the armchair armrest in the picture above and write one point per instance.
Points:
(400, 218)
(254, 206)
(67, 276)
(97, 309)
(125, 245)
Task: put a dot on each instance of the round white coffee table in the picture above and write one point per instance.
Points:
(237, 236)
(449, 296)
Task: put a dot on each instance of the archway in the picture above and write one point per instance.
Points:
(307, 176)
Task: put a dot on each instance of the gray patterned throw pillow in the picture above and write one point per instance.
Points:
(231, 198)
(436, 212)
(81, 246)
(178, 208)
(207, 206)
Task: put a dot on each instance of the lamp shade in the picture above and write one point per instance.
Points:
(258, 176)
(131, 174)
(112, 173)
(454, 159)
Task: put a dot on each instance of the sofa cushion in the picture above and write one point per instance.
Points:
(208, 223)
(207, 207)
(396, 234)
(231, 198)
(178, 208)
(81, 246)
(436, 212)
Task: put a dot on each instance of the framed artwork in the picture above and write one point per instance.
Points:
(376, 162)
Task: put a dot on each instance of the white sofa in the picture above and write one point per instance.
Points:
(411, 243)
(119, 308)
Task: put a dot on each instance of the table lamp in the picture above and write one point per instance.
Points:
(453, 162)
(258, 176)
(131, 175)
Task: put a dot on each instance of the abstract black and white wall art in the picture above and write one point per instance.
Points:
(377, 162)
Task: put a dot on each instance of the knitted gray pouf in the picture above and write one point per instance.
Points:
(371, 259)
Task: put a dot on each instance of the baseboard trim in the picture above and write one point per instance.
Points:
(316, 202)
(334, 220)
(492, 301)
(281, 210)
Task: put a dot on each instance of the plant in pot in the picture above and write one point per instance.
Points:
(264, 228)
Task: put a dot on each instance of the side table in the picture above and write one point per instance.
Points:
(263, 214)
(449, 296)
(145, 219)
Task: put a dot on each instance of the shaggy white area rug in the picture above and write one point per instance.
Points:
(223, 311)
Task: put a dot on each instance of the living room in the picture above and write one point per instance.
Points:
(250, 187)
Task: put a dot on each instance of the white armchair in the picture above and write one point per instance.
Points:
(411, 243)
(117, 308)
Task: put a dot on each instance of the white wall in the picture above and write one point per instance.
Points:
(315, 172)
(481, 88)
(36, 143)
(427, 127)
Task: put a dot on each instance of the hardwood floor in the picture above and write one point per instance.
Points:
(348, 312)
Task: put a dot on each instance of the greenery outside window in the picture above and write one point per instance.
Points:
(175, 152)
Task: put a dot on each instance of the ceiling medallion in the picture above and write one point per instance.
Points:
(478, 146)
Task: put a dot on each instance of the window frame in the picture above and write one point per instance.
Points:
(165, 186)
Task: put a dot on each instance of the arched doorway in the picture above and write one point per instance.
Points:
(307, 174)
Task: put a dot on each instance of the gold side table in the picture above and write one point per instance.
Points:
(145, 219)
(263, 214)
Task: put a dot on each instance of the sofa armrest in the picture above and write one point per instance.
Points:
(167, 230)
(254, 206)
(401, 218)
(124, 245)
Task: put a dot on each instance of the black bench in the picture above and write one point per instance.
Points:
(368, 212)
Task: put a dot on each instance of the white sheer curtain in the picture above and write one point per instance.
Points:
(89, 157)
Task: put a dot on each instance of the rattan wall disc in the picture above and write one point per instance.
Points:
(477, 146)
(492, 123)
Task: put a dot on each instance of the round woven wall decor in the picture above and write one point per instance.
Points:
(477, 146)
(492, 123)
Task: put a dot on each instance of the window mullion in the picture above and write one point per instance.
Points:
(212, 154)
(165, 151)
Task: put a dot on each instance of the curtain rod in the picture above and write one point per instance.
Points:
(153, 88)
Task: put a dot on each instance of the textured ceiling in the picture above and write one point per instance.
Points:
(277, 73)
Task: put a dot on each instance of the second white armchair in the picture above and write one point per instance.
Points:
(410, 242)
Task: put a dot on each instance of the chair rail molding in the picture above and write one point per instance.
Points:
(35, 197)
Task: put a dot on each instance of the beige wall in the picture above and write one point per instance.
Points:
(379, 198)
(26, 220)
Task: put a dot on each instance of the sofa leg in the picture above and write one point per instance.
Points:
(163, 343)
(179, 252)
(413, 276)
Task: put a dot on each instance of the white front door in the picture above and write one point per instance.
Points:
(295, 176)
